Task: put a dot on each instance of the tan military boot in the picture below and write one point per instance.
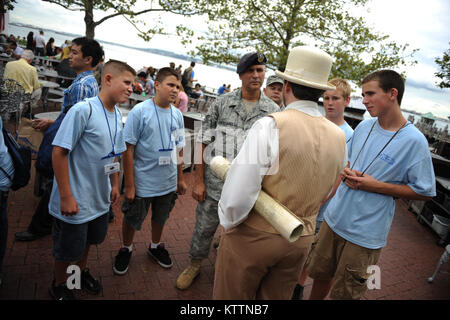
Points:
(186, 278)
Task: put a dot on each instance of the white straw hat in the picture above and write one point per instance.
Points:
(308, 66)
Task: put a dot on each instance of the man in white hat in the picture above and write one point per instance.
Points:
(305, 155)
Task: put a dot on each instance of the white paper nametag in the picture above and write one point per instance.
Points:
(112, 168)
(164, 161)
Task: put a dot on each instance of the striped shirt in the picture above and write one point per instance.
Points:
(84, 86)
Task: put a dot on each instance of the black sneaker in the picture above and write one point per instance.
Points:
(161, 256)
(89, 283)
(61, 292)
(298, 292)
(122, 261)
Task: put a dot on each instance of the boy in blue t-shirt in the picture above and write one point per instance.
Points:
(85, 161)
(334, 103)
(154, 134)
(389, 158)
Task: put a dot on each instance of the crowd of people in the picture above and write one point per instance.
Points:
(342, 183)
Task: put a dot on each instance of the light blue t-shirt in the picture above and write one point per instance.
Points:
(365, 218)
(348, 136)
(149, 128)
(5, 163)
(88, 140)
(347, 130)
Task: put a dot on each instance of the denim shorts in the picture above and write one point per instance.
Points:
(136, 211)
(70, 240)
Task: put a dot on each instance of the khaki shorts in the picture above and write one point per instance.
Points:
(346, 263)
(313, 245)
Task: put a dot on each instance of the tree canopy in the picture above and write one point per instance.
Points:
(275, 26)
(125, 8)
(6, 5)
(444, 70)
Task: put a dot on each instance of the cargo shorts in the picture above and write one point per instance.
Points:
(346, 263)
(70, 240)
(136, 211)
(313, 244)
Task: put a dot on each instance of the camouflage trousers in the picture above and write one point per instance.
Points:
(206, 223)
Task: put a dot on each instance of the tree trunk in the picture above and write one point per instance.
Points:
(89, 19)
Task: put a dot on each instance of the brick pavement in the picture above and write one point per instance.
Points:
(409, 258)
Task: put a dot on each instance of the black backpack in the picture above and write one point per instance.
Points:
(44, 157)
(21, 158)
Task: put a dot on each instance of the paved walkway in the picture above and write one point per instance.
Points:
(408, 260)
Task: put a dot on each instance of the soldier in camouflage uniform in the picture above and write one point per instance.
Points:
(223, 131)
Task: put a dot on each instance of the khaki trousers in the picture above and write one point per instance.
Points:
(253, 264)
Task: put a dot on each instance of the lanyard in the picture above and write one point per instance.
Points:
(160, 132)
(111, 154)
(362, 173)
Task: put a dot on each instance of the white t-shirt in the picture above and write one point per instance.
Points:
(40, 41)
(18, 51)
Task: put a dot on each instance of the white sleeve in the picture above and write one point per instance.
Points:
(258, 155)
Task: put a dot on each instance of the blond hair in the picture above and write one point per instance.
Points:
(342, 85)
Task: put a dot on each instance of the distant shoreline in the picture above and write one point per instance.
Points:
(154, 51)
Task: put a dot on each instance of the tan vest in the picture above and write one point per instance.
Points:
(311, 157)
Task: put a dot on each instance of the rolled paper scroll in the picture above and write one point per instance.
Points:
(278, 216)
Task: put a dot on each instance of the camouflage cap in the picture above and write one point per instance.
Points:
(274, 79)
(249, 60)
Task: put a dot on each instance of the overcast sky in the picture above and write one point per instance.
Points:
(422, 24)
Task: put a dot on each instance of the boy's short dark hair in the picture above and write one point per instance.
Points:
(142, 74)
(388, 79)
(118, 66)
(163, 73)
(192, 64)
(306, 93)
(90, 48)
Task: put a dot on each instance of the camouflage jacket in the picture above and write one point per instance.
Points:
(224, 130)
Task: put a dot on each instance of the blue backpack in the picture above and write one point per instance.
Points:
(44, 156)
(21, 158)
